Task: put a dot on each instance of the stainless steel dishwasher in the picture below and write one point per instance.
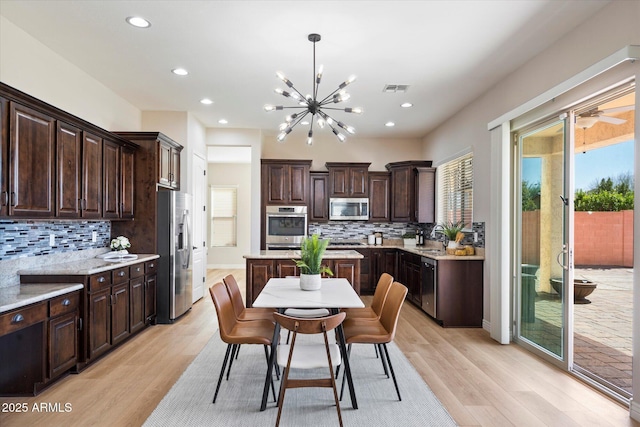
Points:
(429, 283)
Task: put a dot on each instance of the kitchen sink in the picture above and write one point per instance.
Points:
(431, 251)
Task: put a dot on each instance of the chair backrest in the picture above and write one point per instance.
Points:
(391, 308)
(382, 289)
(224, 309)
(309, 326)
(234, 294)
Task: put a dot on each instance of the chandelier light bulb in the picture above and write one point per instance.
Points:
(269, 107)
(319, 75)
(283, 126)
(281, 136)
(321, 123)
(356, 110)
(350, 129)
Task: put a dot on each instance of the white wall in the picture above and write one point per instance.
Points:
(238, 175)
(29, 66)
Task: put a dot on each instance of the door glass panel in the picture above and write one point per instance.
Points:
(542, 212)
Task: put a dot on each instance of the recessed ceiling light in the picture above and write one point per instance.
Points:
(180, 71)
(206, 101)
(389, 124)
(223, 121)
(406, 105)
(138, 21)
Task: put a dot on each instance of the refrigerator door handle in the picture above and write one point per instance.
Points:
(186, 241)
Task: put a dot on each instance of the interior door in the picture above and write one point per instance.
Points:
(199, 218)
(543, 259)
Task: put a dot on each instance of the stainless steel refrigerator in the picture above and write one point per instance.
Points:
(174, 247)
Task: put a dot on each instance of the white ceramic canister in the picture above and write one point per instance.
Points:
(371, 239)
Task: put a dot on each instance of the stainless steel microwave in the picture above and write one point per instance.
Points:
(352, 209)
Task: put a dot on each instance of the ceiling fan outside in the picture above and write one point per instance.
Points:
(591, 117)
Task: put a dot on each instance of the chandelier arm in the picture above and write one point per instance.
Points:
(298, 119)
(332, 108)
(326, 99)
(302, 97)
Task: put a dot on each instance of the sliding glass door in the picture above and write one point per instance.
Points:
(543, 213)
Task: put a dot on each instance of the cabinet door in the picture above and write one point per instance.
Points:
(319, 211)
(387, 263)
(63, 343)
(164, 164)
(258, 273)
(275, 178)
(414, 283)
(298, 177)
(358, 181)
(367, 270)
(68, 144)
(379, 196)
(402, 195)
(286, 267)
(4, 157)
(99, 323)
(119, 313)
(339, 181)
(136, 304)
(91, 176)
(127, 195)
(31, 154)
(150, 299)
(175, 169)
(348, 269)
(111, 181)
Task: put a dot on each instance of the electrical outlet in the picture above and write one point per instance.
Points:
(94, 236)
(52, 240)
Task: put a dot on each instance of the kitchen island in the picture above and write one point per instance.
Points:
(267, 264)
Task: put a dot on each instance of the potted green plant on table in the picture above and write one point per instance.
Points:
(453, 232)
(310, 262)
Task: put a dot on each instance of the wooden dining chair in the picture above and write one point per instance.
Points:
(373, 311)
(308, 313)
(308, 356)
(234, 332)
(381, 331)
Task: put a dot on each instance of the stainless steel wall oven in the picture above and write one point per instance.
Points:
(285, 226)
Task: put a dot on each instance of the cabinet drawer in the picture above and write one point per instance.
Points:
(120, 275)
(100, 281)
(64, 304)
(151, 267)
(136, 270)
(18, 319)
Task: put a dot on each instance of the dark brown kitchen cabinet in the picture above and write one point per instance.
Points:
(410, 275)
(379, 196)
(63, 334)
(127, 176)
(348, 179)
(459, 293)
(319, 197)
(91, 204)
(136, 304)
(175, 168)
(4, 157)
(366, 272)
(403, 189)
(99, 322)
(31, 166)
(150, 285)
(286, 267)
(120, 313)
(168, 164)
(375, 262)
(285, 182)
(111, 180)
(259, 271)
(68, 161)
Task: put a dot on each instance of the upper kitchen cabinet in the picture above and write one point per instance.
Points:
(285, 182)
(111, 180)
(403, 189)
(4, 155)
(319, 201)
(161, 155)
(127, 182)
(31, 166)
(91, 203)
(68, 160)
(379, 196)
(348, 179)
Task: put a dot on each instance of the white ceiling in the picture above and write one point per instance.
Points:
(448, 52)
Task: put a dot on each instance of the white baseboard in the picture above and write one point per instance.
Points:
(634, 410)
(226, 266)
(486, 325)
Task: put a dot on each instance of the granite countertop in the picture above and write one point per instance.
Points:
(86, 266)
(13, 297)
(289, 254)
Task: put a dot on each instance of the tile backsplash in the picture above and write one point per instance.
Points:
(19, 239)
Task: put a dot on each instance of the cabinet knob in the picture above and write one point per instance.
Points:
(101, 279)
(121, 274)
(138, 270)
(17, 318)
(151, 265)
(66, 302)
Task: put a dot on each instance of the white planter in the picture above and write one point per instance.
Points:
(409, 243)
(310, 282)
(452, 245)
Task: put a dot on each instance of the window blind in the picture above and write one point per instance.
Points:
(224, 216)
(454, 184)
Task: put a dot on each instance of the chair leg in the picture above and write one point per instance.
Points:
(224, 365)
(333, 381)
(393, 375)
(283, 390)
(344, 374)
(384, 362)
(234, 352)
(237, 351)
(375, 346)
(266, 355)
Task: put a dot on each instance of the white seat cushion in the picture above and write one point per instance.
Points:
(307, 313)
(308, 356)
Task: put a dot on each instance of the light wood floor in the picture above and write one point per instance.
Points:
(480, 382)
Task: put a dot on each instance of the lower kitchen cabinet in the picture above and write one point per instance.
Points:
(98, 322)
(375, 262)
(260, 270)
(409, 274)
(459, 293)
(63, 334)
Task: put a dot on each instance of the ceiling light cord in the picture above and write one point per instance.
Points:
(309, 104)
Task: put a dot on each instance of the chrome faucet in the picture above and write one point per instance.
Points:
(436, 228)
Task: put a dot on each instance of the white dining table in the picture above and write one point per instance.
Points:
(283, 293)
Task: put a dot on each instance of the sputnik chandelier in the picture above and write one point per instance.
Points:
(310, 104)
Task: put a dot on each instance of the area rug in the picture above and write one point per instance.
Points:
(188, 403)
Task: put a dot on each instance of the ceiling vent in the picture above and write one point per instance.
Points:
(395, 88)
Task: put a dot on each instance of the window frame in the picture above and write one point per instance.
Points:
(458, 206)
